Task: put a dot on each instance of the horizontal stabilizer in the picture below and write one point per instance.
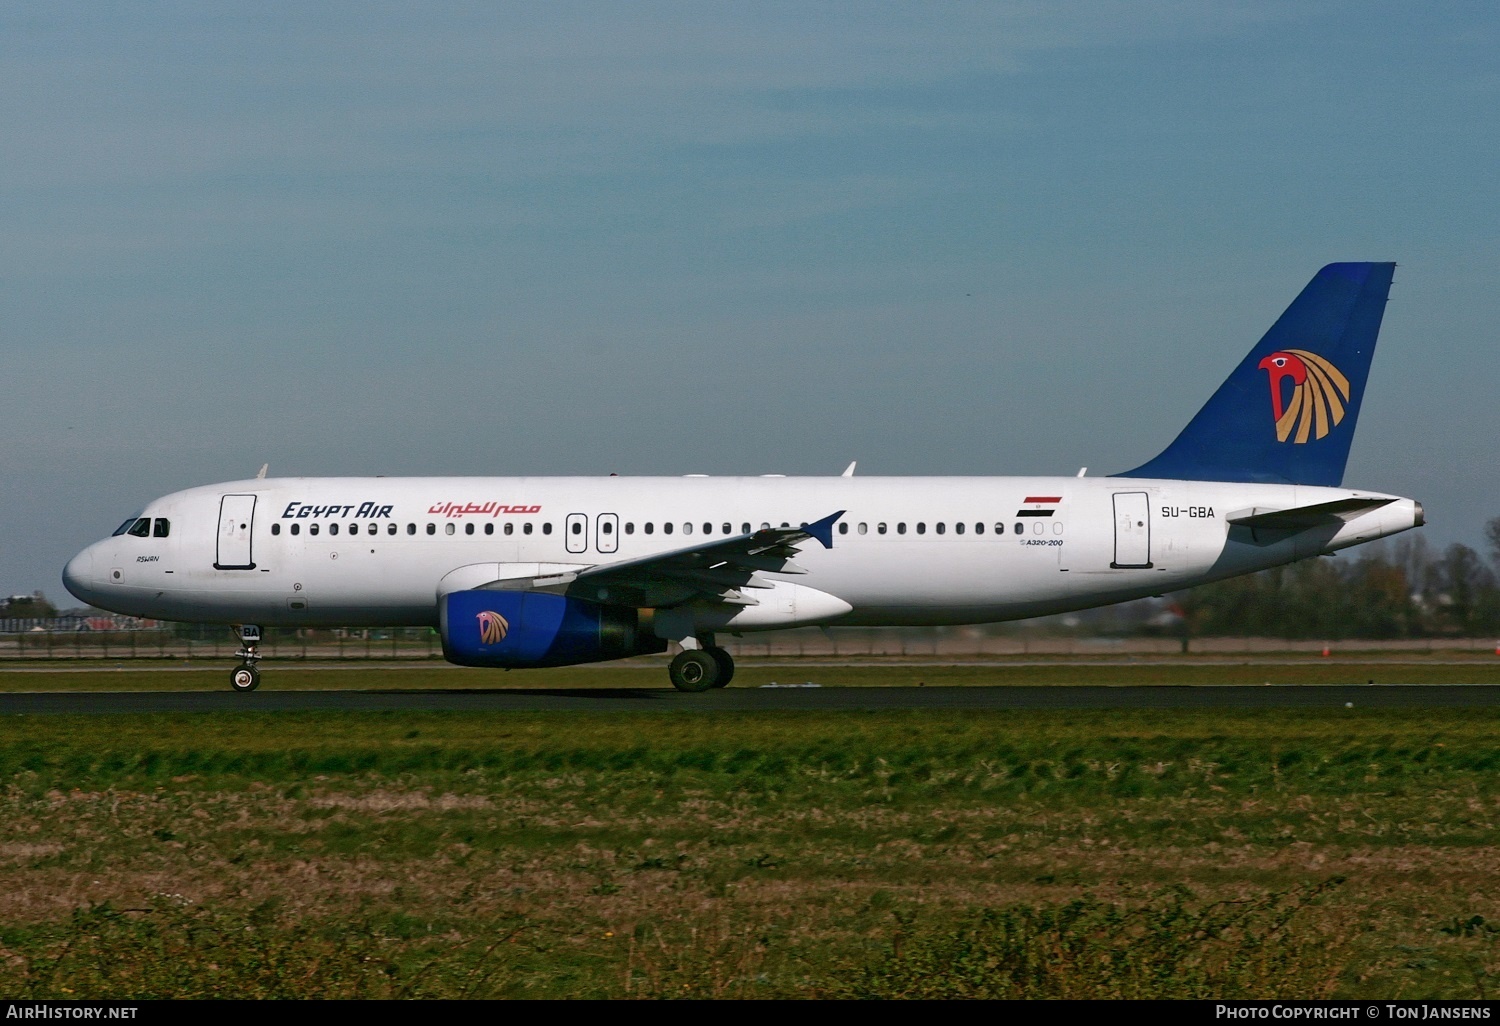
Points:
(1300, 518)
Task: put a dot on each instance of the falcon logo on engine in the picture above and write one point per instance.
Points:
(492, 628)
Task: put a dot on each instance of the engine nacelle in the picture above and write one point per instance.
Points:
(517, 629)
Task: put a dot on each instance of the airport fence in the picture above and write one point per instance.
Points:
(217, 642)
(151, 640)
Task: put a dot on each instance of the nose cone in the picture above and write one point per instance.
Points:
(78, 576)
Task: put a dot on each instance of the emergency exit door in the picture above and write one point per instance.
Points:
(607, 529)
(1132, 531)
(236, 523)
(576, 532)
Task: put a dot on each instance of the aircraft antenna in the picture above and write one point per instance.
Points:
(849, 470)
(261, 474)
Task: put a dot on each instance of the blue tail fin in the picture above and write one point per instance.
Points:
(1287, 413)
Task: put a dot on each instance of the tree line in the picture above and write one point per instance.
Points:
(1404, 588)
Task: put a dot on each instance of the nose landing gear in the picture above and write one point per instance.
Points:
(245, 677)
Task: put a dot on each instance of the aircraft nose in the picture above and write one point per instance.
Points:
(78, 576)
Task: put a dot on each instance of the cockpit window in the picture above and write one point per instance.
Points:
(162, 528)
(141, 528)
(127, 525)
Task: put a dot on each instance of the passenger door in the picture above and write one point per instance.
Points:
(1132, 531)
(236, 525)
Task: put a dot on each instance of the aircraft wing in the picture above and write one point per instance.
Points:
(716, 571)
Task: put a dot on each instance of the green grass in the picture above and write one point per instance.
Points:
(1166, 752)
(132, 675)
(1170, 946)
(929, 853)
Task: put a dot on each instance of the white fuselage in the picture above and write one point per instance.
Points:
(358, 552)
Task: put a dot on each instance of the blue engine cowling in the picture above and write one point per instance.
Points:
(523, 628)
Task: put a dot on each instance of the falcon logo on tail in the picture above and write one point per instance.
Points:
(1318, 394)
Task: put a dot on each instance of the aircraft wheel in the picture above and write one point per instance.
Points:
(244, 678)
(726, 666)
(693, 670)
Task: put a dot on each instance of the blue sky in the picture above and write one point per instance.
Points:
(718, 238)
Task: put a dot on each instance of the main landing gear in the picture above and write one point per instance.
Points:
(699, 669)
(245, 677)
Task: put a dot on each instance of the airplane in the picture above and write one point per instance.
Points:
(554, 571)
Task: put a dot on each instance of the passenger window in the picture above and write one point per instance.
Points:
(843, 529)
(489, 528)
(526, 528)
(650, 527)
(728, 528)
(744, 529)
(141, 528)
(939, 529)
(765, 527)
(546, 528)
(411, 528)
(629, 527)
(577, 527)
(958, 528)
(901, 528)
(510, 528)
(608, 527)
(374, 529)
(1020, 527)
(921, 528)
(312, 528)
(880, 529)
(709, 529)
(162, 528)
(275, 528)
(468, 528)
(448, 529)
(432, 528)
(296, 528)
(333, 528)
(666, 528)
(978, 528)
(390, 529)
(687, 528)
(863, 528)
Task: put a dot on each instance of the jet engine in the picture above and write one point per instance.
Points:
(517, 629)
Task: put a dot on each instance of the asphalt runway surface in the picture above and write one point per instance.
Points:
(782, 698)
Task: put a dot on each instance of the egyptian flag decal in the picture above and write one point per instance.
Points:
(1039, 506)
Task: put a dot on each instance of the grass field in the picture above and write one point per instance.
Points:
(1033, 854)
(143, 675)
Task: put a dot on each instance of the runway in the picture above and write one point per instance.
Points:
(784, 699)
